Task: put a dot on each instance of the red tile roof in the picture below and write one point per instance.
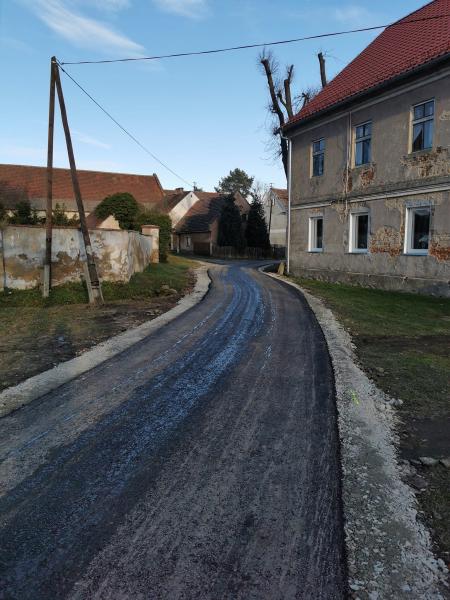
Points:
(282, 195)
(95, 185)
(404, 46)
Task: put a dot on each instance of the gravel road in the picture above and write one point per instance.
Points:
(201, 463)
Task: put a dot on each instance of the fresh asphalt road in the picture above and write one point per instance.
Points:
(202, 463)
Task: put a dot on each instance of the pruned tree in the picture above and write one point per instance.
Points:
(283, 104)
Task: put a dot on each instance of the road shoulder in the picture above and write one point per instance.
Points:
(34, 387)
(389, 549)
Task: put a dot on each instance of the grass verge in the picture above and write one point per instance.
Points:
(37, 333)
(403, 343)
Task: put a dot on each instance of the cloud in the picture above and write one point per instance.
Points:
(352, 15)
(108, 5)
(91, 141)
(194, 9)
(83, 31)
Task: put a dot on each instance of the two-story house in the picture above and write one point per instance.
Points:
(275, 213)
(370, 164)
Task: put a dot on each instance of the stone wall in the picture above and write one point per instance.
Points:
(119, 254)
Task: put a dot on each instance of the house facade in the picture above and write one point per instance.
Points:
(370, 164)
(197, 231)
(275, 202)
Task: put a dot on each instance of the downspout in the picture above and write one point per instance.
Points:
(288, 228)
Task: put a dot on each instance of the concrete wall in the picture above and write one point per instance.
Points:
(119, 254)
(395, 179)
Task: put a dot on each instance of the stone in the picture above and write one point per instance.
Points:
(427, 461)
(418, 482)
(445, 462)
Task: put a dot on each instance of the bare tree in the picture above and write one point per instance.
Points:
(283, 105)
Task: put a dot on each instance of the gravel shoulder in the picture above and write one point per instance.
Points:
(388, 547)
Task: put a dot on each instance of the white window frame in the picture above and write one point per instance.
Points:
(188, 241)
(312, 234)
(364, 138)
(414, 121)
(317, 153)
(409, 232)
(353, 246)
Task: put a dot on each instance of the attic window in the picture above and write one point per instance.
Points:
(422, 126)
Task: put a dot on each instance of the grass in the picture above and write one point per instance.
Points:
(36, 333)
(143, 285)
(402, 340)
(403, 343)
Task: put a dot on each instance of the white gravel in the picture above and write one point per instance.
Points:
(388, 547)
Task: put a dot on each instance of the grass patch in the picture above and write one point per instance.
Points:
(147, 284)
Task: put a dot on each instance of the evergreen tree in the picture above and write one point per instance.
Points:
(256, 232)
(230, 225)
(236, 181)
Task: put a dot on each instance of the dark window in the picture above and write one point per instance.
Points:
(420, 229)
(423, 125)
(363, 142)
(362, 230)
(319, 233)
(318, 157)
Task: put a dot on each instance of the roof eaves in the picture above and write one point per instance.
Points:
(374, 90)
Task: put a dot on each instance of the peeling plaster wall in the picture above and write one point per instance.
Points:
(393, 180)
(118, 255)
(385, 265)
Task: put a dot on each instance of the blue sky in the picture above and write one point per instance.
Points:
(201, 115)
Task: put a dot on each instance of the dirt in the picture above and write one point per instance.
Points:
(39, 338)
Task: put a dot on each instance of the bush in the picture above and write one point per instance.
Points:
(122, 206)
(164, 222)
(23, 214)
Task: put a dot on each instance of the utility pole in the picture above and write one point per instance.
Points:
(49, 211)
(92, 279)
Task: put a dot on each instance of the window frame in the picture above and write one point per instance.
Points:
(409, 231)
(414, 121)
(315, 153)
(312, 233)
(364, 138)
(353, 231)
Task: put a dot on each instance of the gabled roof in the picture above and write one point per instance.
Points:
(419, 38)
(203, 213)
(282, 195)
(95, 186)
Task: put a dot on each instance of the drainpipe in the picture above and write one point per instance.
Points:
(288, 228)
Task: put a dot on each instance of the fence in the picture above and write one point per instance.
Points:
(229, 252)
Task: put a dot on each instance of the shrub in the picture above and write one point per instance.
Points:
(23, 214)
(122, 206)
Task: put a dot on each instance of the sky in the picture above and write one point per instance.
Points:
(201, 115)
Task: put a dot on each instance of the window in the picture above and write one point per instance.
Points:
(318, 157)
(188, 241)
(417, 235)
(422, 126)
(359, 232)
(363, 143)
(316, 234)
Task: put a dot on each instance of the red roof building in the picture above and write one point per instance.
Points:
(23, 181)
(419, 40)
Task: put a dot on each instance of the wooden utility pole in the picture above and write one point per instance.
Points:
(93, 282)
(49, 212)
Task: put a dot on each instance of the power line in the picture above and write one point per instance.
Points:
(247, 46)
(130, 135)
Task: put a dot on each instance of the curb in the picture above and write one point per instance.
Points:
(15, 397)
(389, 550)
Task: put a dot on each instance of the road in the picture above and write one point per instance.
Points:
(202, 463)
